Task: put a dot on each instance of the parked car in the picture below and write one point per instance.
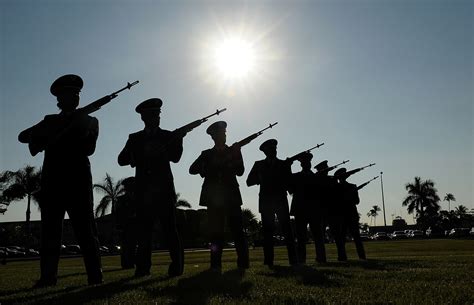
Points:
(434, 232)
(364, 236)
(416, 234)
(459, 232)
(14, 252)
(72, 249)
(380, 236)
(398, 235)
(104, 250)
(471, 232)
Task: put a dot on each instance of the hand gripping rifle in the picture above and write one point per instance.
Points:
(295, 157)
(365, 183)
(25, 135)
(252, 137)
(352, 172)
(330, 168)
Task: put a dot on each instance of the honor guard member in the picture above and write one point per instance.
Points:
(220, 193)
(273, 175)
(150, 151)
(349, 196)
(326, 191)
(67, 139)
(307, 210)
(126, 222)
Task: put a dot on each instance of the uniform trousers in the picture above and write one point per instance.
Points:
(268, 222)
(217, 219)
(85, 229)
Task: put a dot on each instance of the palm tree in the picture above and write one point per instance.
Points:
(181, 203)
(111, 191)
(249, 220)
(422, 197)
(373, 212)
(449, 197)
(460, 211)
(24, 183)
(5, 181)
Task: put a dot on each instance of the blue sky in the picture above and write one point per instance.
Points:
(389, 82)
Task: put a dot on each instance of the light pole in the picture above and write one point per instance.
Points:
(383, 201)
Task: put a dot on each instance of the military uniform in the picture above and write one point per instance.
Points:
(306, 209)
(150, 151)
(220, 193)
(349, 197)
(67, 140)
(126, 223)
(327, 195)
(273, 174)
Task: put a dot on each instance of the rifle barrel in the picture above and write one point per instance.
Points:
(215, 113)
(128, 86)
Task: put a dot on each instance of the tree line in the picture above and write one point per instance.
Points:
(422, 201)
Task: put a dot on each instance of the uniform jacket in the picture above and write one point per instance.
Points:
(273, 176)
(219, 169)
(151, 152)
(349, 197)
(125, 211)
(327, 194)
(302, 186)
(67, 141)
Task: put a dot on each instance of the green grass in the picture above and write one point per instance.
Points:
(397, 272)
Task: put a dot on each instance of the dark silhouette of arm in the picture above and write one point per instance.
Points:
(253, 177)
(198, 166)
(125, 156)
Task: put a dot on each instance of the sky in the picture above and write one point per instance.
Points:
(385, 82)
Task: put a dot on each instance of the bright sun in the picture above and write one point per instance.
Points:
(235, 58)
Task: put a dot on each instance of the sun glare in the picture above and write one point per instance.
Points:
(234, 58)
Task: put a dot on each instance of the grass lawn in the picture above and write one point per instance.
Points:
(397, 272)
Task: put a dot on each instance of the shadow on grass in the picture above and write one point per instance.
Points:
(307, 275)
(386, 264)
(85, 273)
(198, 289)
(82, 294)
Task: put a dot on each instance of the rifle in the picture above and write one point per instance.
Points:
(295, 157)
(96, 105)
(252, 137)
(182, 131)
(352, 172)
(330, 168)
(188, 127)
(365, 183)
(25, 135)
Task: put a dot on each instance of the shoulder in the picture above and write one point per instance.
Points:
(207, 152)
(135, 135)
(164, 132)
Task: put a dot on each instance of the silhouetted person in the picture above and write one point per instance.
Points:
(306, 209)
(331, 209)
(220, 193)
(349, 196)
(67, 139)
(273, 174)
(150, 151)
(126, 222)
